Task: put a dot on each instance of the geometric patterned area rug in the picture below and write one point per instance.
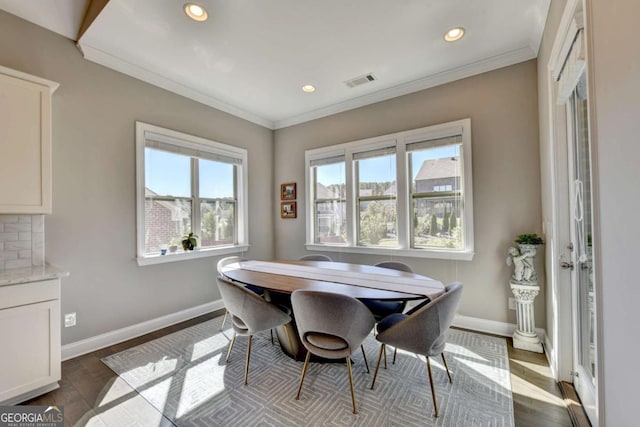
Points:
(183, 375)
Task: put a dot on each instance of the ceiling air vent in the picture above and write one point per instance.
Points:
(360, 80)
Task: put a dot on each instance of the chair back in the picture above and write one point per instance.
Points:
(394, 265)
(330, 325)
(250, 312)
(423, 331)
(315, 257)
(228, 260)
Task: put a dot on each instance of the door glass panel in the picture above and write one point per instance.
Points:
(582, 219)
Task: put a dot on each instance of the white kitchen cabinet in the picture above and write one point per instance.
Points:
(25, 143)
(30, 348)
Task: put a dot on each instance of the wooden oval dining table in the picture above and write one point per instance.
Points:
(280, 278)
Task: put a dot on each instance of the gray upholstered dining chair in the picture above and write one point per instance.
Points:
(230, 260)
(421, 330)
(315, 257)
(383, 308)
(331, 326)
(250, 314)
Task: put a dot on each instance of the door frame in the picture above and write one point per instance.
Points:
(561, 296)
(558, 234)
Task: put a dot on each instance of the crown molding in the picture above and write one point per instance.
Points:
(448, 76)
(100, 57)
(493, 63)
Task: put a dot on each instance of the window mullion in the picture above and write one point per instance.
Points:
(351, 190)
(404, 211)
(195, 197)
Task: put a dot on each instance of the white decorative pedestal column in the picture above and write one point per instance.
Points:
(524, 285)
(525, 336)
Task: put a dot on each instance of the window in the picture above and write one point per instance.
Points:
(408, 193)
(188, 184)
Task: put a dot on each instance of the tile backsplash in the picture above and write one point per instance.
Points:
(21, 241)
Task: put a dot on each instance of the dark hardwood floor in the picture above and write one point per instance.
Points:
(93, 395)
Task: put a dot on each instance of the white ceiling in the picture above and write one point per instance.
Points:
(251, 57)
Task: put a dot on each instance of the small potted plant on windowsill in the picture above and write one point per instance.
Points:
(189, 242)
(173, 245)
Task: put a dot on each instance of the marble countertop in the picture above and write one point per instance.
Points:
(30, 274)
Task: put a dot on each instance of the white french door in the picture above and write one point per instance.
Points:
(582, 248)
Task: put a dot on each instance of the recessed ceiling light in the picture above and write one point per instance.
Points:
(308, 88)
(454, 34)
(196, 12)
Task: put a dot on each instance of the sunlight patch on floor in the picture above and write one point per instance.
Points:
(209, 346)
(463, 352)
(135, 409)
(118, 389)
(150, 372)
(525, 388)
(201, 383)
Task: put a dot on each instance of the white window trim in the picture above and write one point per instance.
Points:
(196, 143)
(400, 140)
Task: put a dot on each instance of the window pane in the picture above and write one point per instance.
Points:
(167, 174)
(436, 169)
(218, 223)
(437, 221)
(377, 176)
(165, 221)
(378, 223)
(216, 180)
(330, 181)
(331, 225)
(330, 215)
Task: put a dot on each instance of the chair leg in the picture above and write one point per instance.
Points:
(353, 396)
(304, 372)
(375, 375)
(364, 355)
(246, 365)
(271, 330)
(224, 319)
(385, 357)
(446, 367)
(395, 352)
(233, 341)
(433, 390)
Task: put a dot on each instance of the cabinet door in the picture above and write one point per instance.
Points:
(25, 146)
(30, 353)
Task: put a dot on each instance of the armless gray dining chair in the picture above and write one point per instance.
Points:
(421, 330)
(383, 308)
(250, 314)
(331, 326)
(230, 260)
(315, 257)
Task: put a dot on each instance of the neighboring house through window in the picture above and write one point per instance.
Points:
(408, 193)
(188, 184)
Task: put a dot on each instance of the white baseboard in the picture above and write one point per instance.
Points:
(491, 326)
(88, 345)
(550, 351)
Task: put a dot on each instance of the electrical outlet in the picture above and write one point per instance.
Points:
(512, 303)
(69, 320)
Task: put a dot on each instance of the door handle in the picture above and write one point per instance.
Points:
(566, 265)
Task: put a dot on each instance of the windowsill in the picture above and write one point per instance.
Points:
(184, 256)
(413, 253)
